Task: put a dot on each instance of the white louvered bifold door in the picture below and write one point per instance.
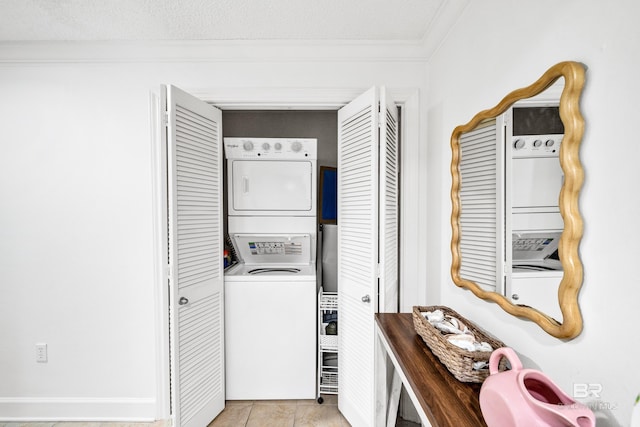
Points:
(481, 218)
(357, 256)
(194, 134)
(388, 206)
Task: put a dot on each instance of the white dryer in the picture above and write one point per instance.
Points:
(271, 176)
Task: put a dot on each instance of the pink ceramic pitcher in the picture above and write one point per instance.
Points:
(527, 398)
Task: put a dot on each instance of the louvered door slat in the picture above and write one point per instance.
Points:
(195, 252)
(197, 164)
(195, 121)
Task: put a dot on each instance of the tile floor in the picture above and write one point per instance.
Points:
(281, 413)
(83, 424)
(286, 413)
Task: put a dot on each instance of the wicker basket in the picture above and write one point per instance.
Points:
(458, 361)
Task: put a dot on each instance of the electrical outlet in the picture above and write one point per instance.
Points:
(41, 353)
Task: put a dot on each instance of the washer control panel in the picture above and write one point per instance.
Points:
(271, 148)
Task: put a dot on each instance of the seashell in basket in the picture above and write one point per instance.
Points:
(447, 327)
(461, 363)
(464, 341)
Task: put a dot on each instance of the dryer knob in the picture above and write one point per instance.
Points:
(266, 146)
(277, 146)
(296, 146)
(247, 145)
(519, 144)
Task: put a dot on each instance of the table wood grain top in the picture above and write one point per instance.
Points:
(446, 401)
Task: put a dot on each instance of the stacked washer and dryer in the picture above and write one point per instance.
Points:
(270, 295)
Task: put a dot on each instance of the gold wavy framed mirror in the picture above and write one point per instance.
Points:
(570, 234)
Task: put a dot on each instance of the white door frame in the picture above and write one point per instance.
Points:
(285, 99)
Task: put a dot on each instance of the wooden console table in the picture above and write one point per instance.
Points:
(440, 399)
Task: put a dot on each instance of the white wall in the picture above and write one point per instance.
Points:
(500, 45)
(76, 231)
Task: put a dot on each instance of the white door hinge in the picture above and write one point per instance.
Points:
(165, 118)
(506, 118)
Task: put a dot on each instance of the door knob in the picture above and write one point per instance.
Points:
(183, 301)
(366, 298)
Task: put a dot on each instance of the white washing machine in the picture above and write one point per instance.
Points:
(270, 296)
(270, 318)
(270, 332)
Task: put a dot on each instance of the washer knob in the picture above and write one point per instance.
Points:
(296, 146)
(277, 146)
(537, 143)
(549, 142)
(247, 145)
(519, 144)
(266, 146)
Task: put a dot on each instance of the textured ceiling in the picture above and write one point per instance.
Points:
(216, 19)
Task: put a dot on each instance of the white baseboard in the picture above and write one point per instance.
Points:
(77, 409)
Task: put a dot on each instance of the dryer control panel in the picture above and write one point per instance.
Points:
(530, 146)
(271, 148)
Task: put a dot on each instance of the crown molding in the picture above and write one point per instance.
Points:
(208, 51)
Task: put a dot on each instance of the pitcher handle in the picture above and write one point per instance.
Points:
(512, 357)
(581, 416)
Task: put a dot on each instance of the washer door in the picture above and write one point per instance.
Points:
(267, 271)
